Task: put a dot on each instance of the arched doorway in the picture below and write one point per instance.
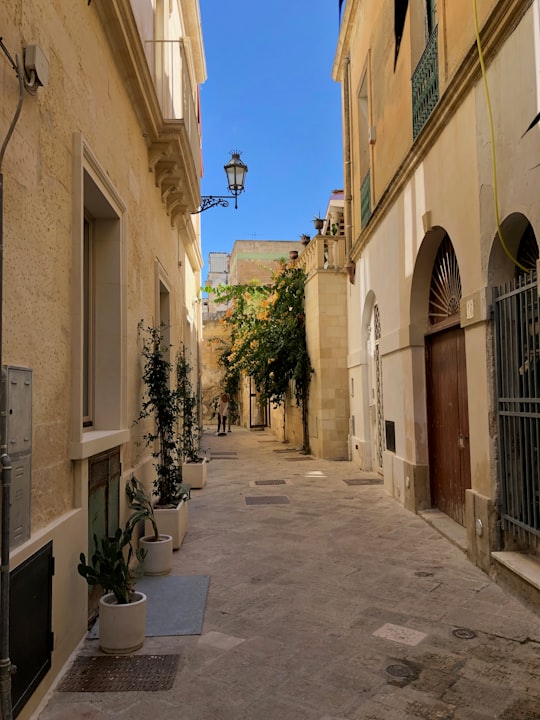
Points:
(517, 354)
(376, 396)
(446, 388)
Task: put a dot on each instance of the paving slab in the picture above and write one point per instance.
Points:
(337, 605)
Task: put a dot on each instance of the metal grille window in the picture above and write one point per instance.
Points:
(425, 84)
(445, 291)
(378, 369)
(365, 199)
(517, 345)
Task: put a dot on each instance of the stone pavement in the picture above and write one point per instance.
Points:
(332, 603)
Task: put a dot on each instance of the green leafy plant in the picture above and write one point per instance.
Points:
(110, 565)
(188, 406)
(161, 403)
(268, 338)
(141, 503)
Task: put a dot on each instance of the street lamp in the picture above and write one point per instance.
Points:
(236, 175)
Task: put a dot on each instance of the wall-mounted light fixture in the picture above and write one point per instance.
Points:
(236, 176)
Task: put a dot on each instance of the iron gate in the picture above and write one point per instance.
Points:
(517, 353)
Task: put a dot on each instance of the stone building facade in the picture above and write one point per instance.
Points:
(442, 315)
(101, 180)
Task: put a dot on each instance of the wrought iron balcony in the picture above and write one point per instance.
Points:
(425, 84)
(365, 199)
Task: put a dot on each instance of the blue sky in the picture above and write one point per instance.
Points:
(270, 95)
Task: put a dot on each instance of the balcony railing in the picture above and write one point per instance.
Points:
(425, 84)
(365, 199)
(324, 252)
(174, 91)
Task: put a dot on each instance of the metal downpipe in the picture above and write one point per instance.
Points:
(347, 157)
(6, 667)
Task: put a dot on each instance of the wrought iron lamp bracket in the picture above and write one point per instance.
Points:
(210, 201)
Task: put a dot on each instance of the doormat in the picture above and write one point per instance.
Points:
(175, 606)
(364, 481)
(120, 673)
(267, 500)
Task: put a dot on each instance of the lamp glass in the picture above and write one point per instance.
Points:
(236, 173)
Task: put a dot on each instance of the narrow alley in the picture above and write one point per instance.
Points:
(327, 601)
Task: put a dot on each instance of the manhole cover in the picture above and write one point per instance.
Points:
(363, 481)
(114, 673)
(270, 482)
(401, 671)
(464, 633)
(267, 500)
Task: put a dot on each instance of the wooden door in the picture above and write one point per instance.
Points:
(448, 422)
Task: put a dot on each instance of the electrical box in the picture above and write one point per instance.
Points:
(21, 483)
(16, 439)
(16, 409)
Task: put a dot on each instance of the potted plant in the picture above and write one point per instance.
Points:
(318, 222)
(305, 239)
(194, 466)
(161, 403)
(157, 547)
(122, 610)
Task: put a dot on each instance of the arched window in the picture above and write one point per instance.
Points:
(445, 291)
(527, 253)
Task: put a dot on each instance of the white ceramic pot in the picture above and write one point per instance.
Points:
(158, 554)
(194, 474)
(122, 627)
(171, 521)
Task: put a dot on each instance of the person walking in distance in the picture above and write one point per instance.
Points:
(222, 411)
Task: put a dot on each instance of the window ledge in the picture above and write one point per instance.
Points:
(97, 441)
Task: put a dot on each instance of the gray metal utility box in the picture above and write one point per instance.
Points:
(16, 437)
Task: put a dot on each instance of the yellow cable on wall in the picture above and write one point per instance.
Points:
(492, 132)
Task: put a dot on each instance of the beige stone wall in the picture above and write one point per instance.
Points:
(82, 125)
(326, 326)
(253, 261)
(212, 374)
(441, 183)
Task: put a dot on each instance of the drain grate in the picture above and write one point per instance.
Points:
(224, 457)
(402, 671)
(423, 573)
(285, 450)
(270, 482)
(464, 633)
(117, 673)
(364, 481)
(267, 500)
(292, 459)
